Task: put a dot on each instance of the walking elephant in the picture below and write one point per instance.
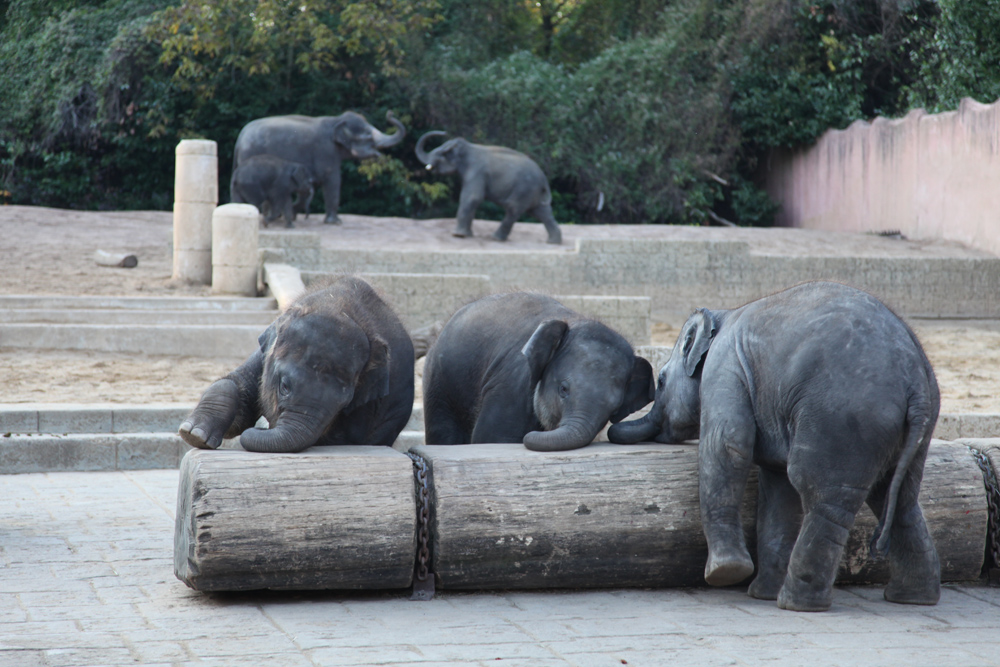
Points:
(269, 182)
(522, 367)
(336, 368)
(832, 396)
(496, 174)
(320, 143)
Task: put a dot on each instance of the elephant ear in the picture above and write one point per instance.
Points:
(640, 390)
(374, 379)
(266, 339)
(542, 346)
(699, 332)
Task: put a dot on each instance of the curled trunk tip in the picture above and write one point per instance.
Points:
(422, 154)
(640, 430)
(561, 439)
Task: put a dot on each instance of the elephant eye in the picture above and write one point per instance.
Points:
(564, 389)
(283, 388)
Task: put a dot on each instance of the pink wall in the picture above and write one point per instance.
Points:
(929, 176)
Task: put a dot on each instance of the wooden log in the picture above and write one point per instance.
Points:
(610, 515)
(115, 259)
(328, 518)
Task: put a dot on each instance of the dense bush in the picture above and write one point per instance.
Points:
(639, 111)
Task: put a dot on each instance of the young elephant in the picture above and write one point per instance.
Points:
(496, 174)
(268, 182)
(335, 369)
(828, 392)
(522, 367)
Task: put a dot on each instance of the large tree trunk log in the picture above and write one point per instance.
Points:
(610, 515)
(328, 518)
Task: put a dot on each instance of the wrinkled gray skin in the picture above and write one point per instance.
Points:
(336, 368)
(320, 143)
(496, 174)
(269, 182)
(831, 394)
(522, 367)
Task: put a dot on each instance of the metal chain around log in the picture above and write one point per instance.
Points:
(993, 503)
(423, 578)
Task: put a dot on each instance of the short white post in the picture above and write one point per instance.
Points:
(196, 194)
(234, 249)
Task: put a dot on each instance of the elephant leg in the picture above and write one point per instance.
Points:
(914, 567)
(331, 196)
(441, 425)
(830, 505)
(468, 202)
(227, 408)
(544, 213)
(502, 419)
(509, 218)
(779, 517)
(725, 454)
(289, 212)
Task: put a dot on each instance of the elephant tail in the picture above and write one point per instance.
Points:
(921, 416)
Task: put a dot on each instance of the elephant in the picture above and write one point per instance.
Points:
(521, 367)
(320, 143)
(831, 395)
(336, 368)
(496, 174)
(268, 182)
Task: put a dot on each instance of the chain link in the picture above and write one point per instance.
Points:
(423, 517)
(993, 502)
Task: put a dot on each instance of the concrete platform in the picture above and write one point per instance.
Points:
(88, 580)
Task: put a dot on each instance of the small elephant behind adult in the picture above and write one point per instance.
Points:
(521, 367)
(497, 174)
(269, 182)
(336, 368)
(832, 396)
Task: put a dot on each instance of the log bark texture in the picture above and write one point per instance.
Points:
(609, 515)
(327, 518)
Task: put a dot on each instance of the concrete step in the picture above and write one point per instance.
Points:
(121, 316)
(211, 304)
(95, 418)
(219, 341)
(89, 452)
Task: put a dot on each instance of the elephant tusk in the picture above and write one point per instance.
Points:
(429, 167)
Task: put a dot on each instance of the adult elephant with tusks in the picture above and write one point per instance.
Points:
(522, 367)
(320, 143)
(832, 396)
(336, 368)
(492, 173)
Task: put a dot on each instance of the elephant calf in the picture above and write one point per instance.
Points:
(831, 394)
(336, 368)
(495, 174)
(268, 182)
(522, 367)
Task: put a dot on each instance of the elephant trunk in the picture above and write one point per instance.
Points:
(643, 429)
(570, 434)
(388, 140)
(423, 155)
(292, 433)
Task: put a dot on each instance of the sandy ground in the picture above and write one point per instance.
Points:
(50, 251)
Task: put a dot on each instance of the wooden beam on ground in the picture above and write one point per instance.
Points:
(328, 518)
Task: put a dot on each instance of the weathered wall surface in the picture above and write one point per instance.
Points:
(928, 176)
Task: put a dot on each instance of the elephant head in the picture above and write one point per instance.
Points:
(582, 377)
(676, 412)
(446, 158)
(359, 140)
(316, 367)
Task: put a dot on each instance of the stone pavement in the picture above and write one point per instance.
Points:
(86, 578)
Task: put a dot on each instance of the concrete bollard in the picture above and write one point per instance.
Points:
(234, 249)
(196, 194)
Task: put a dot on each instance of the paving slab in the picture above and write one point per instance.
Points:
(86, 578)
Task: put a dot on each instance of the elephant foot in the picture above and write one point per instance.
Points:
(726, 567)
(555, 240)
(497, 236)
(461, 233)
(765, 587)
(332, 220)
(924, 593)
(206, 426)
(796, 595)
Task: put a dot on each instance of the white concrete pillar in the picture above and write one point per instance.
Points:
(196, 194)
(234, 249)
